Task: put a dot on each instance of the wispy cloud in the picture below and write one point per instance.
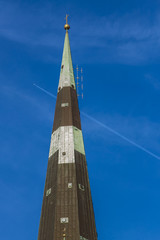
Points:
(27, 99)
(29, 24)
(153, 81)
(131, 38)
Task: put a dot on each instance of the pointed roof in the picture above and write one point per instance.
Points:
(66, 75)
(67, 210)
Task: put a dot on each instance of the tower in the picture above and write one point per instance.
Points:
(67, 210)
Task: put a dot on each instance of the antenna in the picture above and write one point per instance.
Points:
(77, 77)
(82, 81)
(78, 83)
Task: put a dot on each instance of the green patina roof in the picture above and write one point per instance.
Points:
(66, 74)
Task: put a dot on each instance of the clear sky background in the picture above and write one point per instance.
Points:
(118, 45)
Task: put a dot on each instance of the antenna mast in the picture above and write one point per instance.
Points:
(78, 83)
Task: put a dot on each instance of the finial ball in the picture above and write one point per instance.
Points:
(66, 26)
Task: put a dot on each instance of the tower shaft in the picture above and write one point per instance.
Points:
(67, 210)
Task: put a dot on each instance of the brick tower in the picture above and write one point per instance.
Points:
(67, 210)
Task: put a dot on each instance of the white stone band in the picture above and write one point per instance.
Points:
(66, 139)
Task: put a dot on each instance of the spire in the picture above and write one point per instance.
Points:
(67, 210)
(66, 74)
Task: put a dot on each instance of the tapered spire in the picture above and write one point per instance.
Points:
(66, 75)
(67, 210)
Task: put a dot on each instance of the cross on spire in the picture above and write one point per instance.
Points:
(66, 26)
(66, 18)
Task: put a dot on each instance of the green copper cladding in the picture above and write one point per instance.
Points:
(78, 140)
(66, 74)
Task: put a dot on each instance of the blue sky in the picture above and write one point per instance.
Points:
(118, 45)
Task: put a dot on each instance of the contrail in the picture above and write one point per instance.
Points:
(45, 91)
(120, 135)
(107, 127)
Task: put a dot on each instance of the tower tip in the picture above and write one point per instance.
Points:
(66, 26)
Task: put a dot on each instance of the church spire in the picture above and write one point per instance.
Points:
(67, 210)
(66, 75)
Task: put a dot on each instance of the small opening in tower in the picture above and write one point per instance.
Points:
(59, 88)
(63, 153)
(64, 220)
(81, 187)
(62, 66)
(69, 185)
(72, 86)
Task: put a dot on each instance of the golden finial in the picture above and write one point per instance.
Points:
(66, 26)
